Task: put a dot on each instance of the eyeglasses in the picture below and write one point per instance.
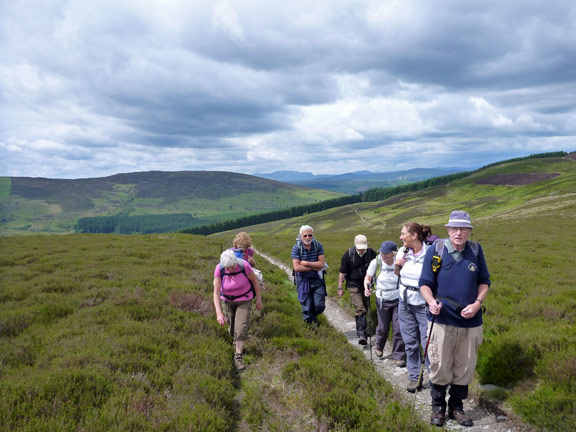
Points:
(456, 229)
(307, 235)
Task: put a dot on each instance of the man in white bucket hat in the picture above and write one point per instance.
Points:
(454, 282)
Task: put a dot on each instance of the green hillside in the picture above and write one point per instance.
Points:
(39, 205)
(524, 215)
(108, 332)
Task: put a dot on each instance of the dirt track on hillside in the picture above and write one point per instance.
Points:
(486, 416)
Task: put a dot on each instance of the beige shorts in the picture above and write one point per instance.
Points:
(238, 314)
(452, 352)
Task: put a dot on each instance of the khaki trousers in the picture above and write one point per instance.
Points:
(358, 300)
(238, 314)
(452, 353)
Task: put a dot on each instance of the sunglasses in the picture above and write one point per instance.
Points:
(307, 235)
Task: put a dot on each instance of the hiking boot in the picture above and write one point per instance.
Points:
(379, 352)
(438, 418)
(413, 386)
(461, 417)
(401, 363)
(362, 341)
(238, 362)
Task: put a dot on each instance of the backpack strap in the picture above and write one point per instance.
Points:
(242, 270)
(474, 247)
(439, 250)
(378, 267)
(351, 256)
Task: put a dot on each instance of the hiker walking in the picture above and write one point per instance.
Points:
(235, 287)
(381, 276)
(242, 245)
(412, 307)
(353, 266)
(309, 264)
(454, 282)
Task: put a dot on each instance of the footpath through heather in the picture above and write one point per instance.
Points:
(486, 416)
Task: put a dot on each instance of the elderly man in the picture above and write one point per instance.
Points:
(353, 266)
(309, 262)
(454, 282)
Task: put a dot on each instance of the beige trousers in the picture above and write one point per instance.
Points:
(452, 353)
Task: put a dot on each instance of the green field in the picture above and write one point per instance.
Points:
(107, 332)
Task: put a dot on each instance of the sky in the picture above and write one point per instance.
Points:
(100, 87)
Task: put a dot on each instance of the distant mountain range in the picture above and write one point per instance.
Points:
(358, 181)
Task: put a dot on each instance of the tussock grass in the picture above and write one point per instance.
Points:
(527, 235)
(107, 332)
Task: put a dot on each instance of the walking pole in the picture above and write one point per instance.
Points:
(419, 382)
(368, 329)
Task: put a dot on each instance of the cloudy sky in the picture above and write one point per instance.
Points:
(95, 88)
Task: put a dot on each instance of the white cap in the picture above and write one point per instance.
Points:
(361, 242)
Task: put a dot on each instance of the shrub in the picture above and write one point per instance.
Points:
(505, 361)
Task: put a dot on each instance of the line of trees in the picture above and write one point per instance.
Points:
(185, 223)
(273, 216)
(371, 195)
(379, 194)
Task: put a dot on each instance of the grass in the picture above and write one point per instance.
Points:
(527, 235)
(107, 332)
(117, 332)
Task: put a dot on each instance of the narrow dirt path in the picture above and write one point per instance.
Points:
(486, 416)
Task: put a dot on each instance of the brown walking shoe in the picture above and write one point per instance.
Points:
(461, 417)
(438, 418)
(413, 386)
(238, 362)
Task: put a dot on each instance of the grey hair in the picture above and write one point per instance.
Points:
(228, 258)
(306, 228)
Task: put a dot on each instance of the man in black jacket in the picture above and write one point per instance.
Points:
(353, 268)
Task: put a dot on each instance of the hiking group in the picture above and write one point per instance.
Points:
(429, 292)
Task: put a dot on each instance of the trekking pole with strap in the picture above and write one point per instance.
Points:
(419, 382)
(368, 329)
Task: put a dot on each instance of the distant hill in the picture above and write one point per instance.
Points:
(42, 205)
(358, 181)
(508, 189)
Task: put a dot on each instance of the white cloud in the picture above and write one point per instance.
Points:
(94, 88)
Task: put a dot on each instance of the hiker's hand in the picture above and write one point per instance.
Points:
(221, 319)
(435, 307)
(259, 304)
(340, 292)
(367, 292)
(470, 310)
(400, 262)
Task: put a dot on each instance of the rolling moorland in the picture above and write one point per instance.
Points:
(524, 216)
(53, 206)
(108, 332)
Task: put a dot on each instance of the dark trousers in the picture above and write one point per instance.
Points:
(457, 394)
(388, 315)
(315, 302)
